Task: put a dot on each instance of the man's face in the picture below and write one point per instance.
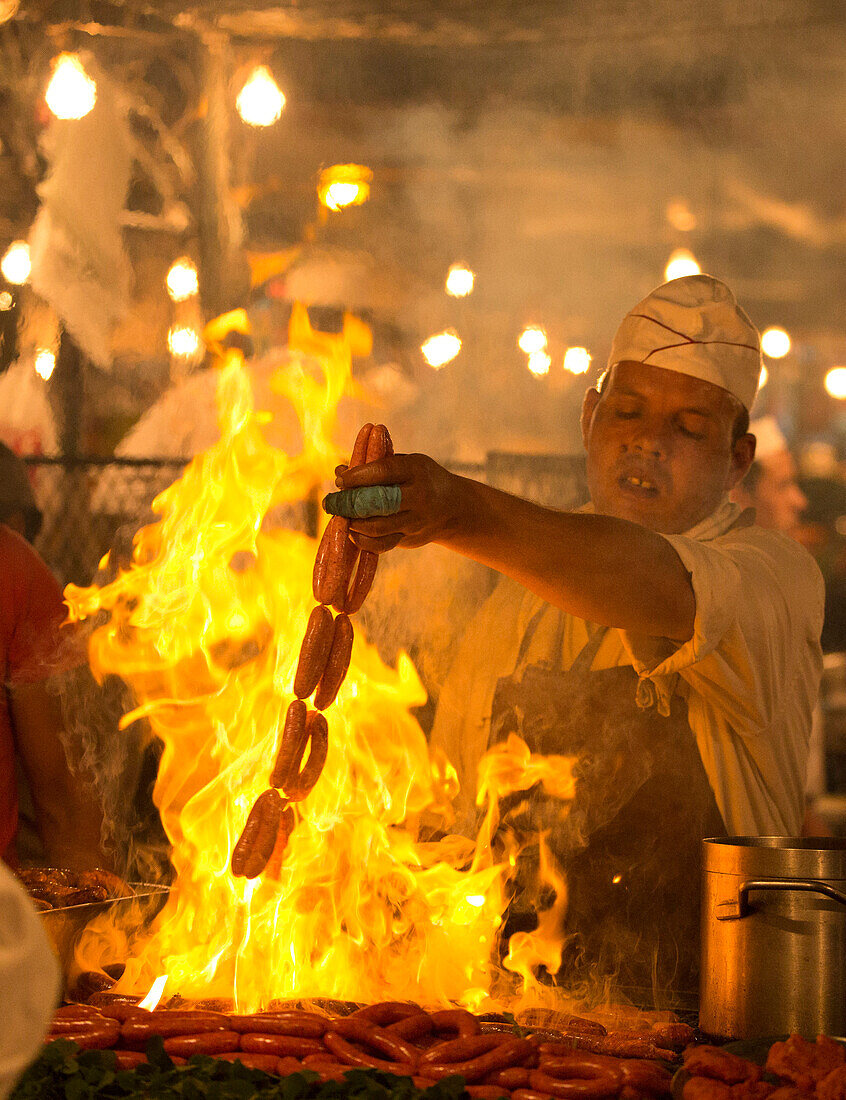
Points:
(778, 500)
(659, 447)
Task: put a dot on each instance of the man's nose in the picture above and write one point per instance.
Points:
(650, 438)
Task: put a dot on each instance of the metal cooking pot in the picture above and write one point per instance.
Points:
(773, 937)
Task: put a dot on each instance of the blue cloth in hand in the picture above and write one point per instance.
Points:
(363, 503)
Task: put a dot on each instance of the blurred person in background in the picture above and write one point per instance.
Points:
(771, 487)
(29, 981)
(66, 812)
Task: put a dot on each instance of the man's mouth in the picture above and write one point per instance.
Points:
(639, 484)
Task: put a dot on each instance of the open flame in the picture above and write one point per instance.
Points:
(205, 626)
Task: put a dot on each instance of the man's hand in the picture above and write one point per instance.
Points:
(431, 506)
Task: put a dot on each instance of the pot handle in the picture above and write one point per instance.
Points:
(735, 910)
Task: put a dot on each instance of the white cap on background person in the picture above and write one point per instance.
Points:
(693, 326)
(30, 981)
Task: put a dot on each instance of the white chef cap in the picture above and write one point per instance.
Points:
(29, 981)
(694, 326)
(770, 440)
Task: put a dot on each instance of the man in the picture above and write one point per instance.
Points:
(66, 812)
(770, 486)
(658, 636)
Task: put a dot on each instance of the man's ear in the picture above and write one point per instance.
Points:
(742, 457)
(591, 400)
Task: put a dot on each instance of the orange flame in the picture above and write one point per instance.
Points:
(205, 627)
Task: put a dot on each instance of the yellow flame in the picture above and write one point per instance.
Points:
(206, 627)
(155, 994)
(344, 185)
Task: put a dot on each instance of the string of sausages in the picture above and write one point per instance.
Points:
(341, 580)
(395, 1037)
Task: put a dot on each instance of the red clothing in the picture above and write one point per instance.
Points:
(31, 611)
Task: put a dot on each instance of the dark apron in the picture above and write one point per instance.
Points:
(629, 843)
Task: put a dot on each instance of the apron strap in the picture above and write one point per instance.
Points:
(585, 657)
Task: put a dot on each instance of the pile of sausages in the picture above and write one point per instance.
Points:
(342, 578)
(398, 1038)
(59, 887)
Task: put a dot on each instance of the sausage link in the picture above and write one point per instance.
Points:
(583, 1088)
(314, 652)
(94, 1035)
(572, 1063)
(486, 1092)
(622, 1044)
(387, 1012)
(268, 1063)
(130, 1059)
(287, 824)
(205, 1042)
(344, 1051)
(291, 745)
(137, 1029)
(359, 451)
(121, 1012)
(646, 1076)
(371, 1035)
(302, 1024)
(455, 1019)
(287, 1065)
(475, 1057)
(64, 1025)
(530, 1094)
(361, 583)
(283, 1046)
(379, 445)
(673, 1035)
(317, 729)
(255, 845)
(513, 1077)
(333, 564)
(337, 663)
(412, 1027)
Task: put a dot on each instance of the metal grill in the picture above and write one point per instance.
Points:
(85, 502)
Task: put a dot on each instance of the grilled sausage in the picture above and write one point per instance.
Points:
(282, 1046)
(205, 1042)
(334, 562)
(299, 1023)
(379, 444)
(287, 822)
(337, 663)
(317, 729)
(255, 845)
(314, 652)
(291, 745)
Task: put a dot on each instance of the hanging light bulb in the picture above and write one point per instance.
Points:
(260, 101)
(835, 383)
(182, 280)
(45, 363)
(681, 262)
(184, 342)
(577, 360)
(344, 185)
(71, 92)
(532, 339)
(459, 281)
(441, 349)
(775, 342)
(16, 265)
(539, 362)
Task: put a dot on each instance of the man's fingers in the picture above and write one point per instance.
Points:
(391, 470)
(378, 526)
(375, 545)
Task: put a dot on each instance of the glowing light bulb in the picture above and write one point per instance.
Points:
(71, 92)
(182, 281)
(183, 341)
(6, 300)
(763, 378)
(835, 383)
(441, 349)
(681, 263)
(775, 342)
(577, 360)
(539, 363)
(260, 101)
(459, 281)
(532, 339)
(45, 363)
(344, 185)
(16, 265)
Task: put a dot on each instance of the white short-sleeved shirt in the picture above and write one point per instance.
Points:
(750, 674)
